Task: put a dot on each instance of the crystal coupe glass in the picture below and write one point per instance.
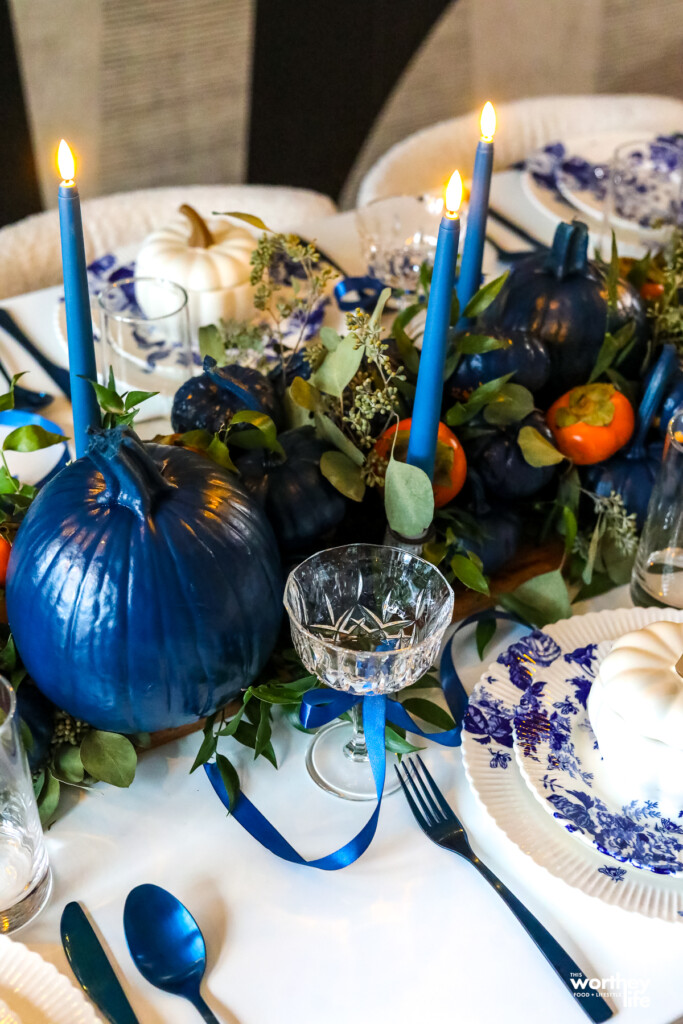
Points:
(366, 619)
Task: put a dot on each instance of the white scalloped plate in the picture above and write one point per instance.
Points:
(496, 779)
(35, 990)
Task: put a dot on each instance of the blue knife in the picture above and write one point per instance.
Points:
(57, 373)
(91, 966)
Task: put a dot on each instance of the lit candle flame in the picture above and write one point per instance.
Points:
(65, 161)
(488, 122)
(453, 194)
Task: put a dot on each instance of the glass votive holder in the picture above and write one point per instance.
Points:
(25, 878)
(657, 577)
(644, 195)
(145, 334)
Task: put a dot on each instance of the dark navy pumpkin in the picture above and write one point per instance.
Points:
(495, 532)
(498, 459)
(673, 401)
(209, 401)
(301, 504)
(559, 297)
(524, 356)
(144, 587)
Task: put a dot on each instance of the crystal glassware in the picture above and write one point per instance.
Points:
(657, 577)
(25, 878)
(397, 235)
(146, 337)
(644, 195)
(366, 619)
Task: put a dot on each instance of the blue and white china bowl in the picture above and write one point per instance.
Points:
(495, 777)
(112, 267)
(34, 468)
(561, 762)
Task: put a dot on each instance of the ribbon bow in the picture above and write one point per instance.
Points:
(318, 707)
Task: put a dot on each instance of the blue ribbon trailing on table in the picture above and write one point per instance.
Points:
(319, 707)
(355, 292)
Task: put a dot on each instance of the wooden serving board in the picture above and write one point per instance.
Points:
(530, 561)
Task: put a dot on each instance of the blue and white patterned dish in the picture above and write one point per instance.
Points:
(112, 267)
(559, 758)
(495, 777)
(576, 173)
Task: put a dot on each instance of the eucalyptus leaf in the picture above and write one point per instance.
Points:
(540, 600)
(512, 404)
(465, 570)
(330, 432)
(68, 764)
(262, 435)
(482, 299)
(330, 338)
(343, 474)
(536, 449)
(31, 438)
(408, 499)
(339, 368)
(211, 344)
(109, 757)
(304, 394)
(48, 799)
(229, 778)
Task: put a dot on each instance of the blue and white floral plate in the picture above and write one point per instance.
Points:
(559, 758)
(495, 777)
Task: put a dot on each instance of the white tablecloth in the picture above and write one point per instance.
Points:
(408, 933)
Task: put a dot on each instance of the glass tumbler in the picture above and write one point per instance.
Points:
(366, 619)
(146, 337)
(398, 234)
(25, 879)
(644, 195)
(658, 570)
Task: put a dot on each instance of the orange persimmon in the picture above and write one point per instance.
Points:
(590, 423)
(450, 468)
(5, 548)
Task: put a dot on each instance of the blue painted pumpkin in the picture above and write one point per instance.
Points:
(498, 459)
(209, 401)
(301, 504)
(524, 356)
(559, 297)
(673, 401)
(144, 586)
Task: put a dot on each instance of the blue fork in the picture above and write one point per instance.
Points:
(439, 823)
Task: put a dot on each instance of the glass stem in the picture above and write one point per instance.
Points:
(356, 748)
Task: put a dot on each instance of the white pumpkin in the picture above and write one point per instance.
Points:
(211, 262)
(636, 711)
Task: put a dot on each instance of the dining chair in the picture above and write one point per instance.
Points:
(425, 159)
(30, 256)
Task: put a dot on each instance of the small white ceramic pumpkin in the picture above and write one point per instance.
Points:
(636, 711)
(211, 263)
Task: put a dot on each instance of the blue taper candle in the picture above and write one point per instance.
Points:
(429, 392)
(469, 278)
(82, 365)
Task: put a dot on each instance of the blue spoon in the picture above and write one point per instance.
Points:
(166, 944)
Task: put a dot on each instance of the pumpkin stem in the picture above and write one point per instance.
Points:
(219, 375)
(131, 476)
(200, 237)
(569, 254)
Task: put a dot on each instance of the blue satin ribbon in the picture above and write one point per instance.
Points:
(358, 292)
(320, 706)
